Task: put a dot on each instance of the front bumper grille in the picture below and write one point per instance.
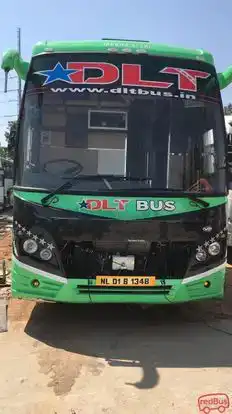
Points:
(166, 260)
(93, 289)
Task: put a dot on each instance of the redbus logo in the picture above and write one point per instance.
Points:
(209, 402)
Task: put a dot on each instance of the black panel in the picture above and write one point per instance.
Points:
(84, 245)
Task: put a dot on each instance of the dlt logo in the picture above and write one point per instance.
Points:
(130, 74)
(103, 205)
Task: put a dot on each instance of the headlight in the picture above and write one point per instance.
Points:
(201, 256)
(30, 246)
(214, 249)
(45, 254)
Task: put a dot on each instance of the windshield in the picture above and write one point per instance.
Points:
(140, 117)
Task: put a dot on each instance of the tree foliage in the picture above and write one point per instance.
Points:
(228, 109)
(10, 135)
(4, 152)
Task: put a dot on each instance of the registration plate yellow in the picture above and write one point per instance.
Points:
(135, 281)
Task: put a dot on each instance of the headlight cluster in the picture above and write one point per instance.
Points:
(201, 256)
(45, 254)
(30, 246)
(213, 250)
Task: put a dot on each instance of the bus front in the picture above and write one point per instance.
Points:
(120, 180)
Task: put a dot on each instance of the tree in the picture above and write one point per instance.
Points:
(4, 152)
(228, 109)
(10, 135)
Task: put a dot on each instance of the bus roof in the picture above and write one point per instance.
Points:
(122, 46)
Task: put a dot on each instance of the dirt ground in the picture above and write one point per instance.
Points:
(5, 254)
(64, 359)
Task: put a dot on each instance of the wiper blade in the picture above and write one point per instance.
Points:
(192, 197)
(66, 185)
(199, 201)
(112, 177)
(69, 184)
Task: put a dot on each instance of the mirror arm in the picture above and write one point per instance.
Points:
(225, 78)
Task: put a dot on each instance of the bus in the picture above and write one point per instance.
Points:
(8, 169)
(228, 124)
(120, 185)
(6, 183)
(2, 201)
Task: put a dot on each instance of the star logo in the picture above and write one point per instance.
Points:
(56, 74)
(83, 204)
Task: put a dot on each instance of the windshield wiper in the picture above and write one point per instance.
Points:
(199, 201)
(192, 197)
(65, 186)
(112, 177)
(78, 176)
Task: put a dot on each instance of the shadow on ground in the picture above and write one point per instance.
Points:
(162, 336)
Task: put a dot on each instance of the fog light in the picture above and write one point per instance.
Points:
(30, 246)
(214, 249)
(201, 256)
(45, 254)
(35, 283)
(207, 284)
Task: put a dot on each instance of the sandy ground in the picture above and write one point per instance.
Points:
(5, 254)
(64, 359)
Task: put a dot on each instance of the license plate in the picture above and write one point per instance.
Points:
(135, 281)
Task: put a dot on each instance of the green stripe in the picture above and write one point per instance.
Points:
(103, 46)
(131, 210)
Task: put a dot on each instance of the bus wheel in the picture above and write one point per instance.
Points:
(229, 255)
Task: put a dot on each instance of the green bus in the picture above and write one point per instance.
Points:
(120, 181)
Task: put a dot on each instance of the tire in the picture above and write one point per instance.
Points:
(229, 255)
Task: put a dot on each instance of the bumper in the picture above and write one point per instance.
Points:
(58, 289)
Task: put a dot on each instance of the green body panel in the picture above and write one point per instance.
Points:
(72, 203)
(104, 46)
(57, 291)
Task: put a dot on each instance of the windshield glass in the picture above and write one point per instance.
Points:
(134, 116)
